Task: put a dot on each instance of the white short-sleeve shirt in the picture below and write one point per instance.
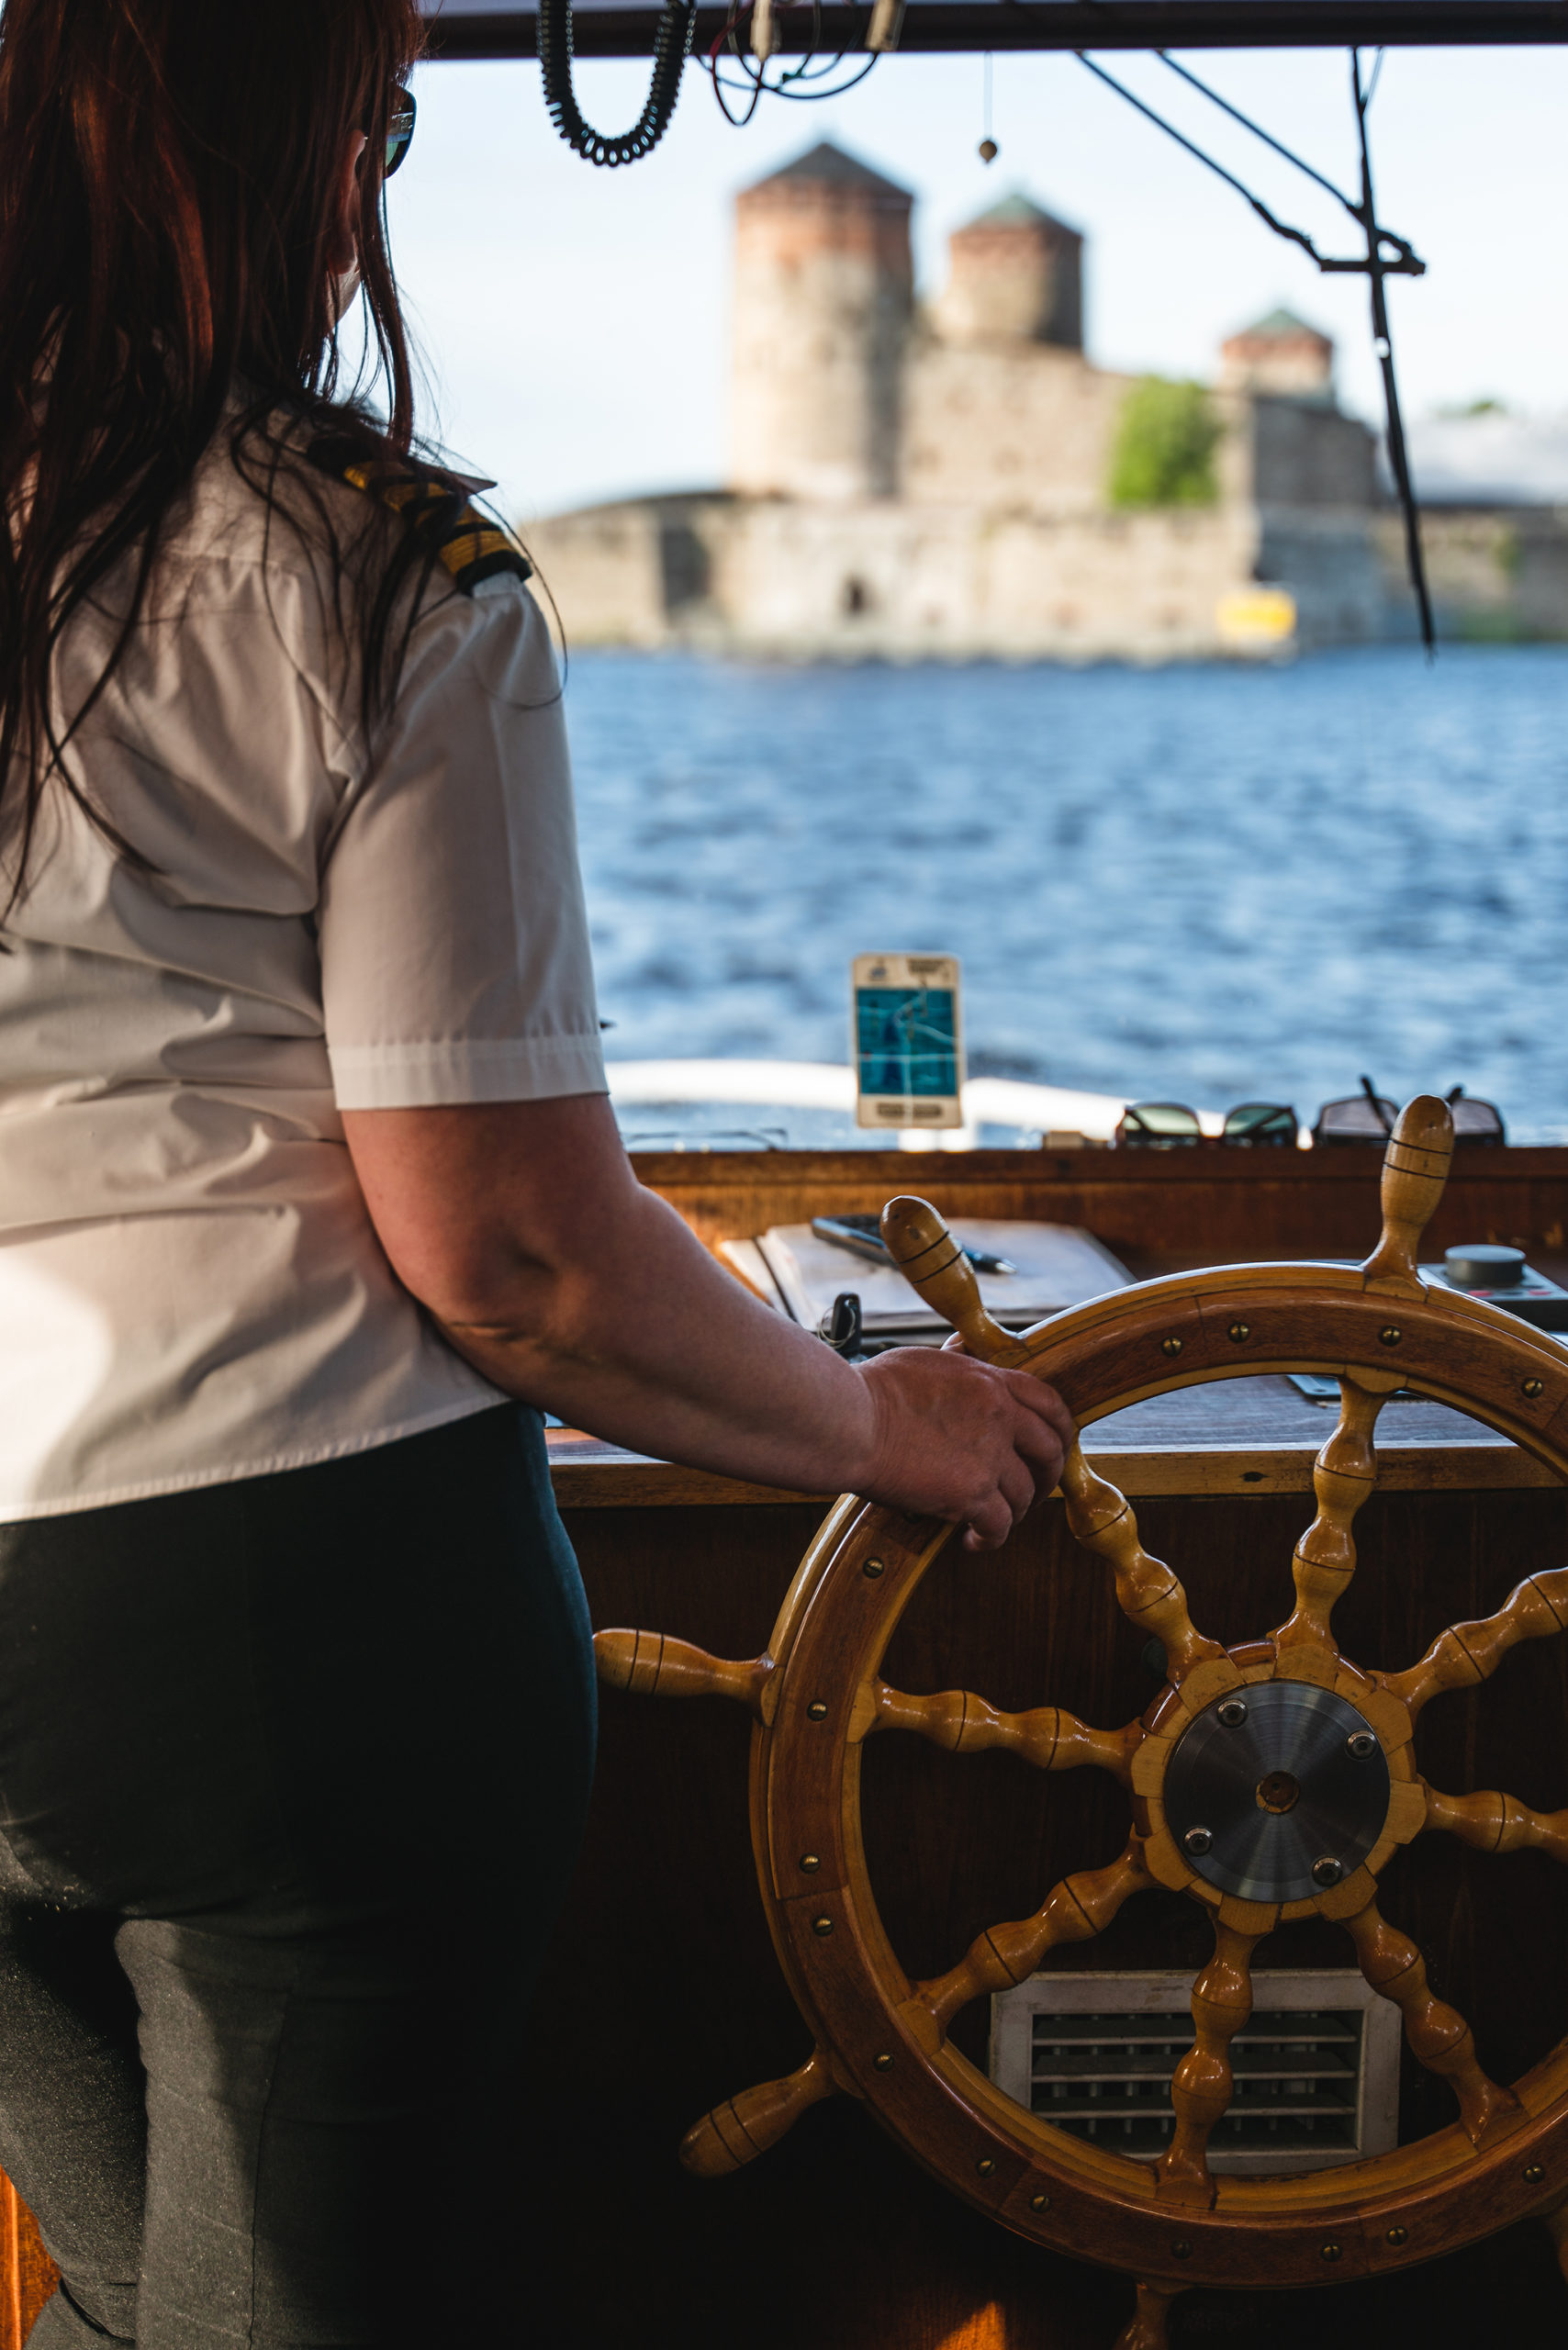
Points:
(191, 1289)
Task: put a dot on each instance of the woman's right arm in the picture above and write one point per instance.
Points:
(523, 1230)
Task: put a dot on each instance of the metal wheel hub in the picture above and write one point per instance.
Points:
(1277, 1793)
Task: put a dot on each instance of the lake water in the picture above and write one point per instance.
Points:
(1199, 884)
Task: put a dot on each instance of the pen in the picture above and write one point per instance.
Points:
(867, 1243)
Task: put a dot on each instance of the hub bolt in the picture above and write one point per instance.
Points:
(1196, 1843)
(1361, 1745)
(1233, 1713)
(1326, 1873)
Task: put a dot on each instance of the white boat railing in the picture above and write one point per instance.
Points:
(830, 1085)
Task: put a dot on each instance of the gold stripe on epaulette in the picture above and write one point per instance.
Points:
(471, 544)
(470, 541)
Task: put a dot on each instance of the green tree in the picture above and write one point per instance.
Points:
(1165, 446)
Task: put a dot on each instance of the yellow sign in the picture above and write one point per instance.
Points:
(1248, 617)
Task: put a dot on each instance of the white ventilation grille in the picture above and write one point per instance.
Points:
(1316, 2067)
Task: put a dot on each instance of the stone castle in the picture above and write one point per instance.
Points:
(916, 483)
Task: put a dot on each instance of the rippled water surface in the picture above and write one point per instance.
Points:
(1199, 884)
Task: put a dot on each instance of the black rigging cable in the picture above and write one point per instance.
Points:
(1387, 255)
(1281, 227)
(1377, 269)
(672, 46)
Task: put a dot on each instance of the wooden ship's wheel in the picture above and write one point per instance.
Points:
(1270, 1782)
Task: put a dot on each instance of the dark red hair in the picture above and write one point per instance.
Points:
(166, 188)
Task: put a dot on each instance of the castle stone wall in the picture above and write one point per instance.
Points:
(1305, 454)
(891, 581)
(1011, 425)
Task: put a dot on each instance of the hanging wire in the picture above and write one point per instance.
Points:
(989, 149)
(1406, 262)
(811, 70)
(672, 46)
(1412, 268)
(1225, 105)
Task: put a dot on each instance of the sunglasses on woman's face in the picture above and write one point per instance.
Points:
(399, 130)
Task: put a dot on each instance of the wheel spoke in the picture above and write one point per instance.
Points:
(1147, 1592)
(1222, 2001)
(1146, 2330)
(1048, 1737)
(1499, 1823)
(1439, 2036)
(1467, 1654)
(1343, 1475)
(746, 2125)
(1074, 1911)
(651, 1664)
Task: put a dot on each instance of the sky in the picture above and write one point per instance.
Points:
(574, 320)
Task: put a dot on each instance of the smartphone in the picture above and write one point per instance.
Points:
(907, 1040)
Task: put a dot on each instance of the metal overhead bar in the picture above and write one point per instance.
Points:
(481, 29)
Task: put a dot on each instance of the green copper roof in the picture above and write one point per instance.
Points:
(1018, 211)
(1279, 324)
(831, 166)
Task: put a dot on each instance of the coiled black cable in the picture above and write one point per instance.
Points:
(672, 46)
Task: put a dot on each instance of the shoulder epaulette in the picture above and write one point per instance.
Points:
(464, 541)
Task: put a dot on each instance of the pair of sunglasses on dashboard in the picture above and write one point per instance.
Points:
(1168, 1125)
(1369, 1116)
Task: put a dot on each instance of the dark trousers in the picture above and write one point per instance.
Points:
(292, 1776)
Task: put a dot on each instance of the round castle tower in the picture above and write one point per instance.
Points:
(1015, 276)
(823, 298)
(1280, 355)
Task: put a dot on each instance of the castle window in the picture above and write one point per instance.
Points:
(854, 598)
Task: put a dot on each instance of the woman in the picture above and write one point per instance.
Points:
(308, 1181)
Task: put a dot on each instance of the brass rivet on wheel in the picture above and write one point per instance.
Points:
(1327, 1871)
(810, 1862)
(822, 1925)
(1181, 2249)
(1233, 1713)
(882, 2063)
(873, 1567)
(1171, 1346)
(1397, 2236)
(1534, 1387)
(1039, 2202)
(1240, 1332)
(1361, 1745)
(1390, 1334)
(985, 2166)
(1196, 1842)
(817, 1709)
(1330, 2252)
(1535, 2173)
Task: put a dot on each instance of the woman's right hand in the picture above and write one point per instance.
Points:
(960, 1439)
